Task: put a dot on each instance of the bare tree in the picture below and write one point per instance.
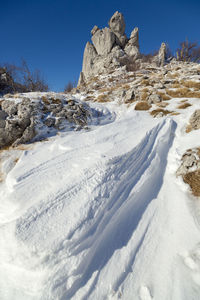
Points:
(33, 81)
(188, 51)
(23, 79)
(69, 86)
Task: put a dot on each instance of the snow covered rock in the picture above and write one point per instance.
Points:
(23, 120)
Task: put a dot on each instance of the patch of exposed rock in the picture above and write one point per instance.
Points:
(29, 120)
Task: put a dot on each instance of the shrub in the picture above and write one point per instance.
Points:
(25, 80)
(69, 86)
(188, 51)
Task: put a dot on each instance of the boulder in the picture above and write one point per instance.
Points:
(154, 98)
(129, 96)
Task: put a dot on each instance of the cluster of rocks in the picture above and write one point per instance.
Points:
(190, 162)
(190, 170)
(110, 49)
(29, 120)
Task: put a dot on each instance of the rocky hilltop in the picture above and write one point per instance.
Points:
(111, 49)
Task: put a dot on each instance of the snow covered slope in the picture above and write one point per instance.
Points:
(100, 214)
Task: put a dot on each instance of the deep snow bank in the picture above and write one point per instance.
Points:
(100, 214)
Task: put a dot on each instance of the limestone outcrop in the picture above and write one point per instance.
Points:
(110, 48)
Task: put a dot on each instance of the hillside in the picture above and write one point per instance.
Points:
(100, 187)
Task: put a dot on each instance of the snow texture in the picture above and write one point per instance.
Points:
(100, 214)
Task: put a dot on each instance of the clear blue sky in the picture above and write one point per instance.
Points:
(51, 34)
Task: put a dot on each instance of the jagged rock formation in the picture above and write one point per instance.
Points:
(110, 48)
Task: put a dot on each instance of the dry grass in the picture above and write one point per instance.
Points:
(174, 113)
(126, 86)
(155, 112)
(198, 152)
(183, 92)
(56, 101)
(176, 85)
(145, 90)
(145, 82)
(142, 105)
(184, 100)
(184, 105)
(45, 100)
(144, 96)
(193, 179)
(191, 84)
(178, 93)
(163, 96)
(188, 128)
(103, 98)
(103, 90)
(162, 104)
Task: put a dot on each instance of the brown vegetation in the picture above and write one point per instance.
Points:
(144, 96)
(142, 105)
(193, 179)
(163, 96)
(184, 105)
(188, 52)
(191, 84)
(157, 111)
(103, 98)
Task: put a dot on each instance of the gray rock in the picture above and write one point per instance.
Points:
(103, 41)
(50, 122)
(162, 55)
(132, 47)
(129, 96)
(10, 107)
(117, 26)
(3, 116)
(154, 98)
(195, 120)
(88, 60)
(81, 80)
(94, 29)
(28, 134)
(117, 23)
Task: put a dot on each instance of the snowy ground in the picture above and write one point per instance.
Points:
(100, 214)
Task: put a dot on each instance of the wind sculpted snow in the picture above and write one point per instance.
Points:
(99, 215)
